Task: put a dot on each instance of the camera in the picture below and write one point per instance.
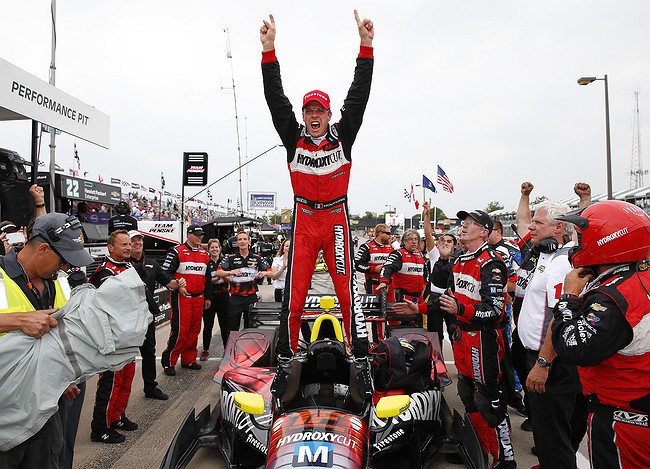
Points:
(15, 238)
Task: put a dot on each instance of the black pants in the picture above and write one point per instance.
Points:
(70, 411)
(239, 305)
(558, 416)
(304, 327)
(437, 319)
(518, 356)
(148, 354)
(40, 451)
(219, 306)
(508, 383)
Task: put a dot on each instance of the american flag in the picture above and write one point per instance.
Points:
(444, 181)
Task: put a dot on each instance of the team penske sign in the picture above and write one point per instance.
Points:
(195, 169)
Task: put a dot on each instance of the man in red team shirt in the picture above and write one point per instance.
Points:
(113, 387)
(370, 258)
(187, 262)
(479, 279)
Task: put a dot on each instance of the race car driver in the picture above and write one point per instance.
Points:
(319, 160)
(600, 324)
(478, 280)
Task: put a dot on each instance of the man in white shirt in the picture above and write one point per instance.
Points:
(558, 410)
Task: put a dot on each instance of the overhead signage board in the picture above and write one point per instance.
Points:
(23, 96)
(89, 191)
(261, 200)
(395, 219)
(195, 169)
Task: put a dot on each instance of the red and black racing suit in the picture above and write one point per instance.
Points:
(605, 333)
(184, 261)
(369, 256)
(478, 281)
(320, 173)
(405, 271)
(113, 387)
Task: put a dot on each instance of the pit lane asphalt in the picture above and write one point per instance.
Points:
(159, 420)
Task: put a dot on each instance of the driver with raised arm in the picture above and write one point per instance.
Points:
(319, 159)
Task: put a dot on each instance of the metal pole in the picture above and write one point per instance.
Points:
(182, 211)
(52, 207)
(34, 152)
(609, 147)
(234, 94)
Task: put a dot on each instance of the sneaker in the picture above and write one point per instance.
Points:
(124, 424)
(108, 436)
(526, 426)
(281, 378)
(192, 366)
(170, 371)
(204, 355)
(156, 393)
(364, 380)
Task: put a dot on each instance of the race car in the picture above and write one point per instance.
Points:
(321, 420)
(320, 266)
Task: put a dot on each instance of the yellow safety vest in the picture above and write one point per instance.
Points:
(14, 300)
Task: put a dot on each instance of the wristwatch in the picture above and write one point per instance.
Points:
(543, 363)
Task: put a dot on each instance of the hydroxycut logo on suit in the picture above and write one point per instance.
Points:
(339, 249)
(313, 454)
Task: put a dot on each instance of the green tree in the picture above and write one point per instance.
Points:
(369, 215)
(540, 199)
(493, 206)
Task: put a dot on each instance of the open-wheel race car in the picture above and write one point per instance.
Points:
(321, 419)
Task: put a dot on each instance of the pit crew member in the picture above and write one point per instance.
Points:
(478, 281)
(601, 325)
(187, 261)
(370, 258)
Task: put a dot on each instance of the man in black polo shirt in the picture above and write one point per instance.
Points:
(122, 221)
(244, 268)
(150, 272)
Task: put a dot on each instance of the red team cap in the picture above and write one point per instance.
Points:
(320, 97)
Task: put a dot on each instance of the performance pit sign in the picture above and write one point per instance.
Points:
(89, 191)
(24, 96)
(195, 169)
(261, 200)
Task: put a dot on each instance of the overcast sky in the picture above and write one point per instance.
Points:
(485, 89)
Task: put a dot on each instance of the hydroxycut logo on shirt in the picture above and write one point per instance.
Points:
(313, 454)
(246, 274)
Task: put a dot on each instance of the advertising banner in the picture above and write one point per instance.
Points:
(89, 191)
(195, 169)
(261, 200)
(395, 219)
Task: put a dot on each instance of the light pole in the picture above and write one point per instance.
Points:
(585, 81)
